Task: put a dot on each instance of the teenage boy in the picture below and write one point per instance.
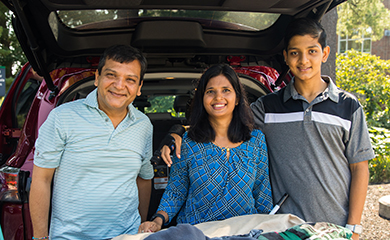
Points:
(99, 148)
(316, 134)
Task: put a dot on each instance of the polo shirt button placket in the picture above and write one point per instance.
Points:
(307, 115)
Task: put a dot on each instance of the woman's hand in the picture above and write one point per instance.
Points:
(166, 152)
(152, 226)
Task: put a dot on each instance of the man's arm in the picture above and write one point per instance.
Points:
(144, 192)
(358, 192)
(40, 200)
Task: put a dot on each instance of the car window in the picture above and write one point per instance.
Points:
(99, 19)
(25, 100)
(163, 104)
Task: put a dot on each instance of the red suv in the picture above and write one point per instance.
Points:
(63, 40)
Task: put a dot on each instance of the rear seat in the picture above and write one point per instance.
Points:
(162, 122)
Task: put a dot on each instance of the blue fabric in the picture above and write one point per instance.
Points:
(1, 234)
(95, 195)
(189, 232)
(252, 235)
(206, 186)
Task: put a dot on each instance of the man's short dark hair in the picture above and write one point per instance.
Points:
(305, 26)
(123, 54)
(242, 123)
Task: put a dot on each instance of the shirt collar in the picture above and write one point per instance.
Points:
(91, 101)
(331, 91)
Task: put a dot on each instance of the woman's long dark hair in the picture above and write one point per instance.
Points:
(240, 127)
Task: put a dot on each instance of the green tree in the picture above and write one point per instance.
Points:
(76, 18)
(161, 104)
(363, 16)
(11, 54)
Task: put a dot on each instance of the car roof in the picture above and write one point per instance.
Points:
(49, 43)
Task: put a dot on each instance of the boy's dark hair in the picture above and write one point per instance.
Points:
(305, 26)
(240, 127)
(123, 54)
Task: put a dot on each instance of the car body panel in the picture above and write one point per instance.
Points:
(67, 59)
(47, 42)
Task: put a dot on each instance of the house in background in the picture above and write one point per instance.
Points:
(364, 44)
(381, 48)
(339, 44)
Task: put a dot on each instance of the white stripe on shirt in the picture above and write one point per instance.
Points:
(331, 119)
(316, 117)
(283, 117)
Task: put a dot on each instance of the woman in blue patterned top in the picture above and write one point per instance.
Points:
(223, 169)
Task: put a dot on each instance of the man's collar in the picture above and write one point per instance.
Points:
(91, 101)
(331, 90)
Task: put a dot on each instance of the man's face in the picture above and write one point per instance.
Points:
(304, 57)
(118, 85)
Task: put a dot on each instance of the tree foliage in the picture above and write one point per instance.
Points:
(11, 54)
(380, 165)
(363, 16)
(76, 18)
(366, 76)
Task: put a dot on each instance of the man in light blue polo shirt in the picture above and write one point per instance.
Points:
(99, 149)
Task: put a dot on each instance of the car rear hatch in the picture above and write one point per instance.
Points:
(55, 33)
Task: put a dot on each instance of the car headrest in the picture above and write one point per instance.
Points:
(181, 103)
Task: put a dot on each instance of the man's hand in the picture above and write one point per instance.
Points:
(166, 151)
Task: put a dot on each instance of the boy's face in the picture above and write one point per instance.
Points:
(304, 57)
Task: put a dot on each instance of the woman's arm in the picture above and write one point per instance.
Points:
(174, 197)
(262, 187)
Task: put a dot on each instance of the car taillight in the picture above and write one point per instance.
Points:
(9, 182)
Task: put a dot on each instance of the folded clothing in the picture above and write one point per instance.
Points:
(189, 232)
(312, 231)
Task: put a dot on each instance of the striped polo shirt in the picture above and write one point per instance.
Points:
(95, 195)
(310, 148)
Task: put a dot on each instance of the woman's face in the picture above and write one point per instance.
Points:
(219, 98)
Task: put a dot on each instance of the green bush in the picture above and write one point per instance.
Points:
(367, 77)
(380, 165)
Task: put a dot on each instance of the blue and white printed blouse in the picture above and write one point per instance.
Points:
(206, 186)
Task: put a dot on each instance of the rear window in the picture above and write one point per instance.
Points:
(162, 104)
(103, 19)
